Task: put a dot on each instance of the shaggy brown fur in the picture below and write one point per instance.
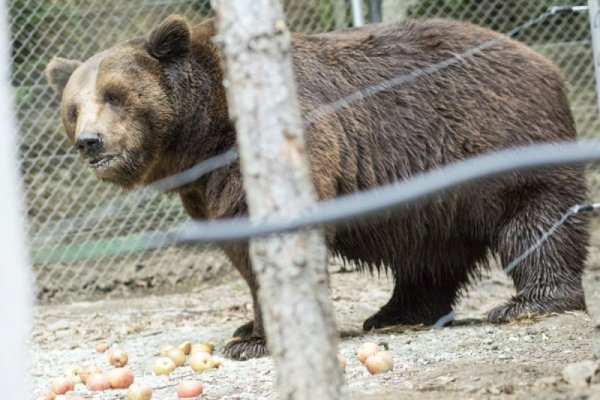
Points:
(149, 108)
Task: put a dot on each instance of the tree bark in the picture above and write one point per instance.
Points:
(290, 269)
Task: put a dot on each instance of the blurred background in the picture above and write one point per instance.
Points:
(67, 207)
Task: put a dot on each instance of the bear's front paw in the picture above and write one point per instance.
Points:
(246, 348)
(244, 330)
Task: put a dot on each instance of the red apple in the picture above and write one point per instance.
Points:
(87, 371)
(189, 389)
(365, 350)
(139, 391)
(62, 385)
(102, 347)
(97, 382)
(120, 378)
(380, 362)
(118, 358)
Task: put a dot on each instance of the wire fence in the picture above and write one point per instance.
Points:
(69, 209)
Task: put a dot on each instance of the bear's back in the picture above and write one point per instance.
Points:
(402, 98)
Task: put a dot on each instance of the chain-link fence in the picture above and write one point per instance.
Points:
(67, 206)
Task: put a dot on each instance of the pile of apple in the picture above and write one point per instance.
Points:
(120, 377)
(200, 357)
(374, 359)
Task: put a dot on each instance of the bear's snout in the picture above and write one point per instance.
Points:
(88, 143)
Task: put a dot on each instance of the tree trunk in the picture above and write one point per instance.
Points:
(290, 269)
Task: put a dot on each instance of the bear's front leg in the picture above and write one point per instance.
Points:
(250, 337)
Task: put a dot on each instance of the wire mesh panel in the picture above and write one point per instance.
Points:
(67, 206)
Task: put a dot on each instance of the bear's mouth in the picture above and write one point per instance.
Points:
(102, 162)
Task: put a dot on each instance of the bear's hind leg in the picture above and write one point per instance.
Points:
(430, 292)
(413, 304)
(549, 279)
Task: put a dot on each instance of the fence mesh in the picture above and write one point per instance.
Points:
(66, 205)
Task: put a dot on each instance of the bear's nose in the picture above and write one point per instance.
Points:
(88, 142)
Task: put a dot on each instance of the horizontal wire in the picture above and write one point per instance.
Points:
(419, 187)
(342, 209)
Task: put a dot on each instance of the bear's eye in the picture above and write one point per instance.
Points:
(112, 98)
(73, 113)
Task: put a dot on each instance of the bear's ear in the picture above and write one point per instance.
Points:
(170, 39)
(58, 72)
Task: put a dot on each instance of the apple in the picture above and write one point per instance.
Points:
(207, 347)
(62, 385)
(186, 347)
(139, 391)
(118, 358)
(74, 373)
(177, 355)
(87, 371)
(201, 361)
(217, 361)
(380, 362)
(365, 350)
(102, 347)
(97, 382)
(189, 389)
(164, 366)
(164, 349)
(120, 378)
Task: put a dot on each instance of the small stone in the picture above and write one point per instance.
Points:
(507, 389)
(580, 374)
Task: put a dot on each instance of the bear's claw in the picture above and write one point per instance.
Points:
(246, 348)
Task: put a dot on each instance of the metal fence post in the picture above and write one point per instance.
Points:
(357, 13)
(375, 10)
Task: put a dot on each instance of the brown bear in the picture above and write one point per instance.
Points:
(151, 107)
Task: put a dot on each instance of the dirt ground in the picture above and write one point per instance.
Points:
(470, 360)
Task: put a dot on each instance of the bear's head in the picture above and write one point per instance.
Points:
(124, 108)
